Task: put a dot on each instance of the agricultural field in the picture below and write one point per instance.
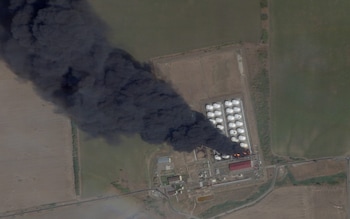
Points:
(103, 165)
(310, 50)
(302, 202)
(153, 28)
(36, 148)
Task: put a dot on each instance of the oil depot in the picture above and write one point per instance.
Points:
(228, 116)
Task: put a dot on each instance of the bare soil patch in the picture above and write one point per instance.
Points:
(318, 168)
(36, 148)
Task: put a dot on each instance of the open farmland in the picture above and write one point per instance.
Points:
(36, 148)
(124, 164)
(302, 202)
(310, 80)
(152, 28)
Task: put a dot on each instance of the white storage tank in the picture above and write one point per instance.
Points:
(221, 127)
(218, 113)
(240, 130)
(209, 107)
(239, 124)
(242, 138)
(217, 105)
(244, 145)
(233, 132)
(238, 116)
(217, 157)
(228, 103)
(230, 118)
(213, 121)
(236, 109)
(234, 139)
(219, 120)
(235, 102)
(232, 125)
(229, 110)
(210, 115)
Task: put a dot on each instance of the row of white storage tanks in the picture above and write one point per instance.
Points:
(232, 113)
(216, 106)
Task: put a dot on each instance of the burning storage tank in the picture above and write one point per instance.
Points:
(209, 107)
(235, 102)
(233, 132)
(232, 125)
(229, 111)
(210, 115)
(228, 103)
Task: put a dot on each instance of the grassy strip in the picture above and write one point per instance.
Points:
(228, 205)
(76, 168)
(120, 187)
(322, 180)
(260, 96)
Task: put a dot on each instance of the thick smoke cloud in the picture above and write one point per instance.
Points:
(61, 47)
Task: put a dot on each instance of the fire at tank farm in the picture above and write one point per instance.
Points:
(219, 89)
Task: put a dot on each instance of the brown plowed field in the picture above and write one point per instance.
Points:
(35, 148)
(318, 168)
(302, 202)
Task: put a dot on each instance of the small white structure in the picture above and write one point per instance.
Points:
(217, 157)
(242, 138)
(218, 113)
(217, 106)
(230, 118)
(234, 139)
(213, 121)
(228, 103)
(210, 115)
(236, 109)
(239, 124)
(219, 120)
(232, 125)
(221, 127)
(225, 156)
(233, 132)
(240, 130)
(235, 102)
(244, 145)
(209, 107)
(238, 116)
(229, 111)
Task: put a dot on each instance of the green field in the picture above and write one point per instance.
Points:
(310, 62)
(152, 28)
(102, 164)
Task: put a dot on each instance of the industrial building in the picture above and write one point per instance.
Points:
(240, 165)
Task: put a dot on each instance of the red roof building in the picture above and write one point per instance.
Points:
(240, 165)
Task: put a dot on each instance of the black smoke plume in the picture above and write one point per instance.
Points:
(61, 47)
